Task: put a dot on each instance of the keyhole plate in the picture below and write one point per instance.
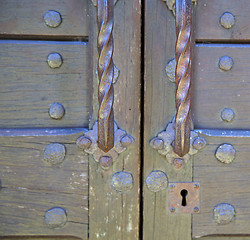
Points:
(188, 190)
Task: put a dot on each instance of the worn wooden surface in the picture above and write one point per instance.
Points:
(29, 86)
(31, 186)
(223, 183)
(214, 89)
(24, 18)
(208, 27)
(159, 109)
(113, 215)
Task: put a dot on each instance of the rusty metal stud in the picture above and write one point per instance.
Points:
(52, 18)
(225, 153)
(226, 63)
(199, 143)
(126, 140)
(196, 209)
(122, 181)
(227, 20)
(157, 181)
(157, 143)
(170, 70)
(56, 111)
(106, 162)
(54, 60)
(227, 115)
(54, 153)
(55, 217)
(224, 213)
(172, 186)
(178, 163)
(196, 185)
(83, 142)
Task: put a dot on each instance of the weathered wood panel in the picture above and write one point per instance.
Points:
(113, 215)
(223, 183)
(207, 20)
(25, 17)
(214, 89)
(159, 109)
(29, 86)
(31, 186)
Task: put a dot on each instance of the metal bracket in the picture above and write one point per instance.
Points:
(89, 143)
(184, 197)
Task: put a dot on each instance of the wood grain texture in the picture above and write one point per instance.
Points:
(159, 109)
(214, 89)
(29, 86)
(25, 17)
(113, 215)
(31, 186)
(223, 183)
(207, 21)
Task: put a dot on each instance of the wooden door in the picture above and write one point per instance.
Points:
(51, 188)
(215, 178)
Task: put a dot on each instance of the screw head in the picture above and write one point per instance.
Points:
(199, 143)
(126, 140)
(106, 162)
(196, 209)
(54, 60)
(157, 181)
(54, 153)
(178, 163)
(170, 70)
(224, 213)
(56, 111)
(227, 115)
(172, 186)
(196, 185)
(55, 217)
(226, 63)
(227, 20)
(122, 181)
(225, 153)
(83, 142)
(172, 209)
(157, 143)
(52, 18)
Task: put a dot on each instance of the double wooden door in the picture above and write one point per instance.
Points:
(56, 183)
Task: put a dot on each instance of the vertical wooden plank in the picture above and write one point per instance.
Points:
(113, 215)
(159, 109)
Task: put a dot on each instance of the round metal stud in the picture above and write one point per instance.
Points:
(83, 142)
(52, 18)
(224, 213)
(178, 163)
(226, 63)
(54, 153)
(157, 181)
(55, 217)
(54, 60)
(196, 209)
(157, 143)
(56, 111)
(172, 209)
(227, 20)
(227, 115)
(199, 143)
(126, 140)
(122, 181)
(170, 70)
(106, 162)
(225, 153)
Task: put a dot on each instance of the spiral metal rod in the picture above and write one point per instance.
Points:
(183, 77)
(105, 69)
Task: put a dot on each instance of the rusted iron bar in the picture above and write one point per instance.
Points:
(105, 69)
(183, 76)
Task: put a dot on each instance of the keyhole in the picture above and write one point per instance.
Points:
(184, 194)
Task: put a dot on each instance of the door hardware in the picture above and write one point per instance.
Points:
(184, 197)
(106, 141)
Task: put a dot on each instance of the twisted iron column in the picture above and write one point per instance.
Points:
(105, 69)
(182, 77)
